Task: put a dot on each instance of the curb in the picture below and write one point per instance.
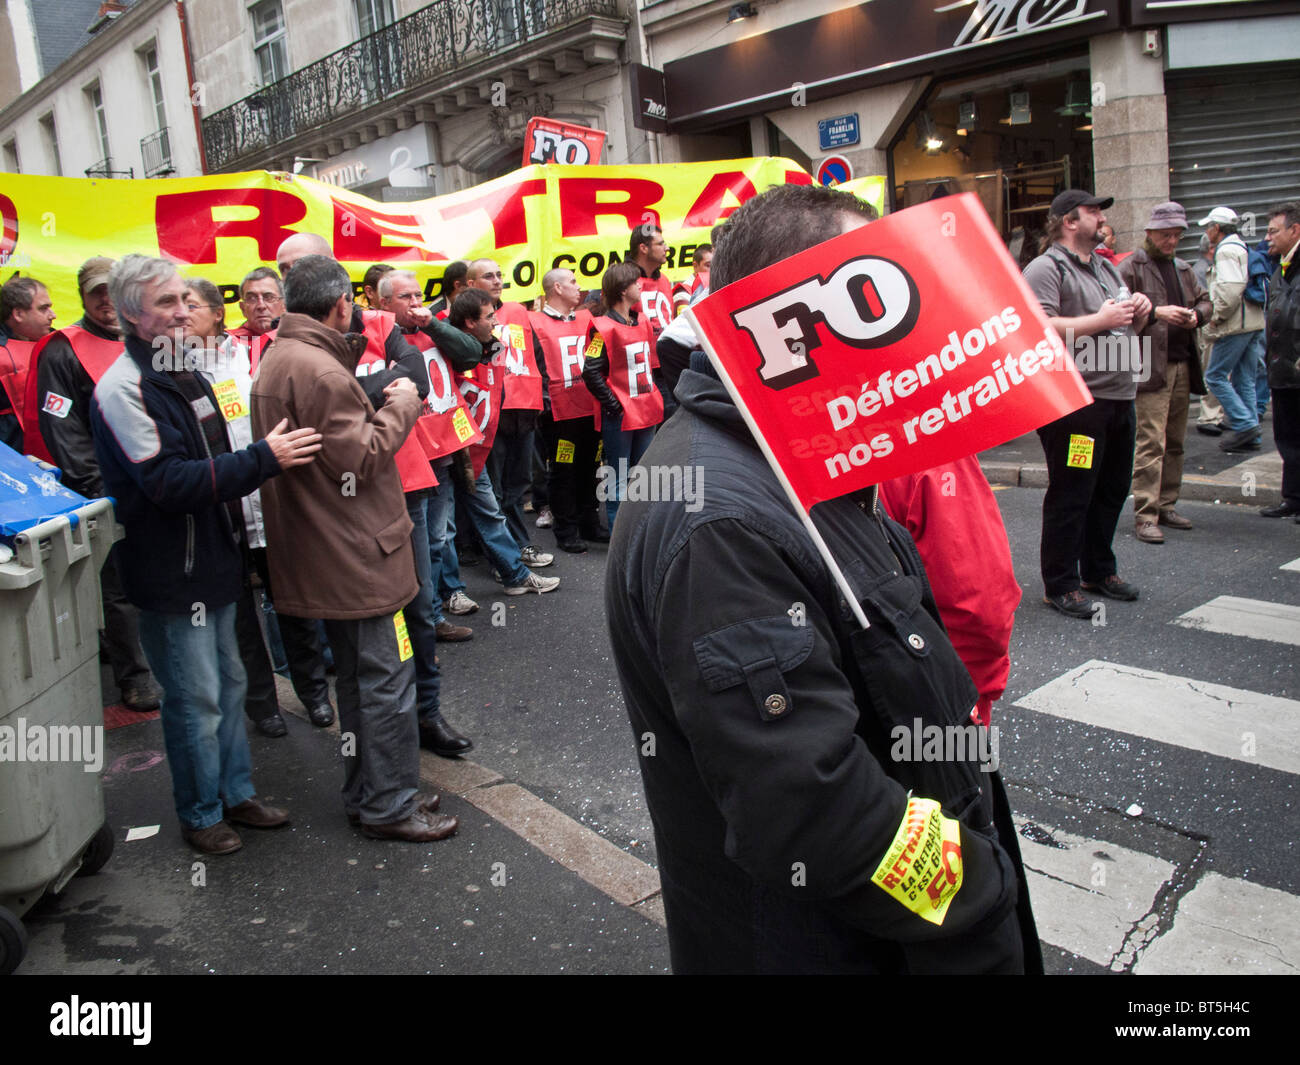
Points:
(1227, 487)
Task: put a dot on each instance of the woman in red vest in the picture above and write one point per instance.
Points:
(619, 372)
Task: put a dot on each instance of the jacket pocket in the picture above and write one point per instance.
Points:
(393, 535)
(922, 693)
(757, 653)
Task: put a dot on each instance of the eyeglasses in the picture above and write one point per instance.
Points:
(258, 297)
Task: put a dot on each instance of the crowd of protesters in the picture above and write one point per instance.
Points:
(300, 490)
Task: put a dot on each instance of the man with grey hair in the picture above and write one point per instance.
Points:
(261, 298)
(1236, 331)
(164, 455)
(1172, 369)
(339, 541)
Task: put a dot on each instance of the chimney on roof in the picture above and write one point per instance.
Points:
(108, 11)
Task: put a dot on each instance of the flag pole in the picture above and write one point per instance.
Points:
(790, 493)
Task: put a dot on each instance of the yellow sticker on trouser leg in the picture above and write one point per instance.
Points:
(404, 650)
(564, 450)
(922, 867)
(1080, 454)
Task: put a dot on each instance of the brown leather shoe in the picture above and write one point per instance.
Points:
(256, 814)
(1174, 520)
(1149, 533)
(421, 827)
(215, 839)
(449, 633)
(427, 801)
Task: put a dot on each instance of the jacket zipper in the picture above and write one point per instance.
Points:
(189, 544)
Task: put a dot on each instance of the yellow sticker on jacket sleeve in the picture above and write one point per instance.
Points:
(564, 450)
(404, 650)
(1080, 454)
(596, 346)
(229, 400)
(922, 867)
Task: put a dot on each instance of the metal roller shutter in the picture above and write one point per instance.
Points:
(1234, 140)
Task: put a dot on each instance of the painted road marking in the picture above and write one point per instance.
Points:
(1252, 618)
(1293, 565)
(1087, 894)
(1229, 722)
(1229, 926)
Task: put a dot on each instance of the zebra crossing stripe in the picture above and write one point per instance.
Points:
(1229, 926)
(1228, 722)
(1252, 618)
(1087, 894)
(1293, 565)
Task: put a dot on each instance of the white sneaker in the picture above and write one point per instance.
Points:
(534, 583)
(545, 519)
(530, 556)
(460, 603)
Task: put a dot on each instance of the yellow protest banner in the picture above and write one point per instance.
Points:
(221, 226)
(870, 188)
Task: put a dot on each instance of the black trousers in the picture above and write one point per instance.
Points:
(302, 650)
(572, 483)
(1286, 435)
(120, 636)
(1083, 502)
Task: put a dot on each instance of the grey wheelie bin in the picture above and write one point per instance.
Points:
(52, 545)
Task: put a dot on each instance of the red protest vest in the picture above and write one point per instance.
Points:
(657, 304)
(412, 466)
(94, 353)
(523, 384)
(256, 343)
(482, 389)
(563, 345)
(445, 426)
(15, 358)
(630, 349)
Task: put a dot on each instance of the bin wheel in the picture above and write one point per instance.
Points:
(97, 852)
(13, 941)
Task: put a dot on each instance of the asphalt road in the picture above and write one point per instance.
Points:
(538, 693)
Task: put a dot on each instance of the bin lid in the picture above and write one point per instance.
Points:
(30, 494)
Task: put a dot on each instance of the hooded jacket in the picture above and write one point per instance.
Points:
(1229, 274)
(337, 530)
(787, 816)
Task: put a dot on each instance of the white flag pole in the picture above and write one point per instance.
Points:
(790, 493)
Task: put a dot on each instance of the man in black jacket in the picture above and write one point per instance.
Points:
(1282, 335)
(792, 837)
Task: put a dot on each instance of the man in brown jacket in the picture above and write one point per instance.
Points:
(1172, 370)
(339, 544)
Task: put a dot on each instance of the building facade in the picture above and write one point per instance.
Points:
(1010, 99)
(398, 99)
(118, 104)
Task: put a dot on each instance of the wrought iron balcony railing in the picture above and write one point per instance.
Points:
(416, 50)
(104, 169)
(156, 150)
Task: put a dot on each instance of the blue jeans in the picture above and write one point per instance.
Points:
(1261, 379)
(204, 686)
(630, 445)
(440, 503)
(420, 615)
(485, 512)
(1234, 363)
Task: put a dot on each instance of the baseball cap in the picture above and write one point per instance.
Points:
(1221, 216)
(1167, 215)
(93, 273)
(1068, 200)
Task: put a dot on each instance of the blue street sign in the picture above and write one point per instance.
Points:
(837, 132)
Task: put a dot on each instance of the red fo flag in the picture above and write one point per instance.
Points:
(899, 346)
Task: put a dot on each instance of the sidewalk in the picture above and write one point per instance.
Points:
(1252, 478)
(521, 888)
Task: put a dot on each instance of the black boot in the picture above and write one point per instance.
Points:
(440, 738)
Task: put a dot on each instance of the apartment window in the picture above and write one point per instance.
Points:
(51, 137)
(96, 98)
(149, 57)
(269, 44)
(374, 15)
(11, 158)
